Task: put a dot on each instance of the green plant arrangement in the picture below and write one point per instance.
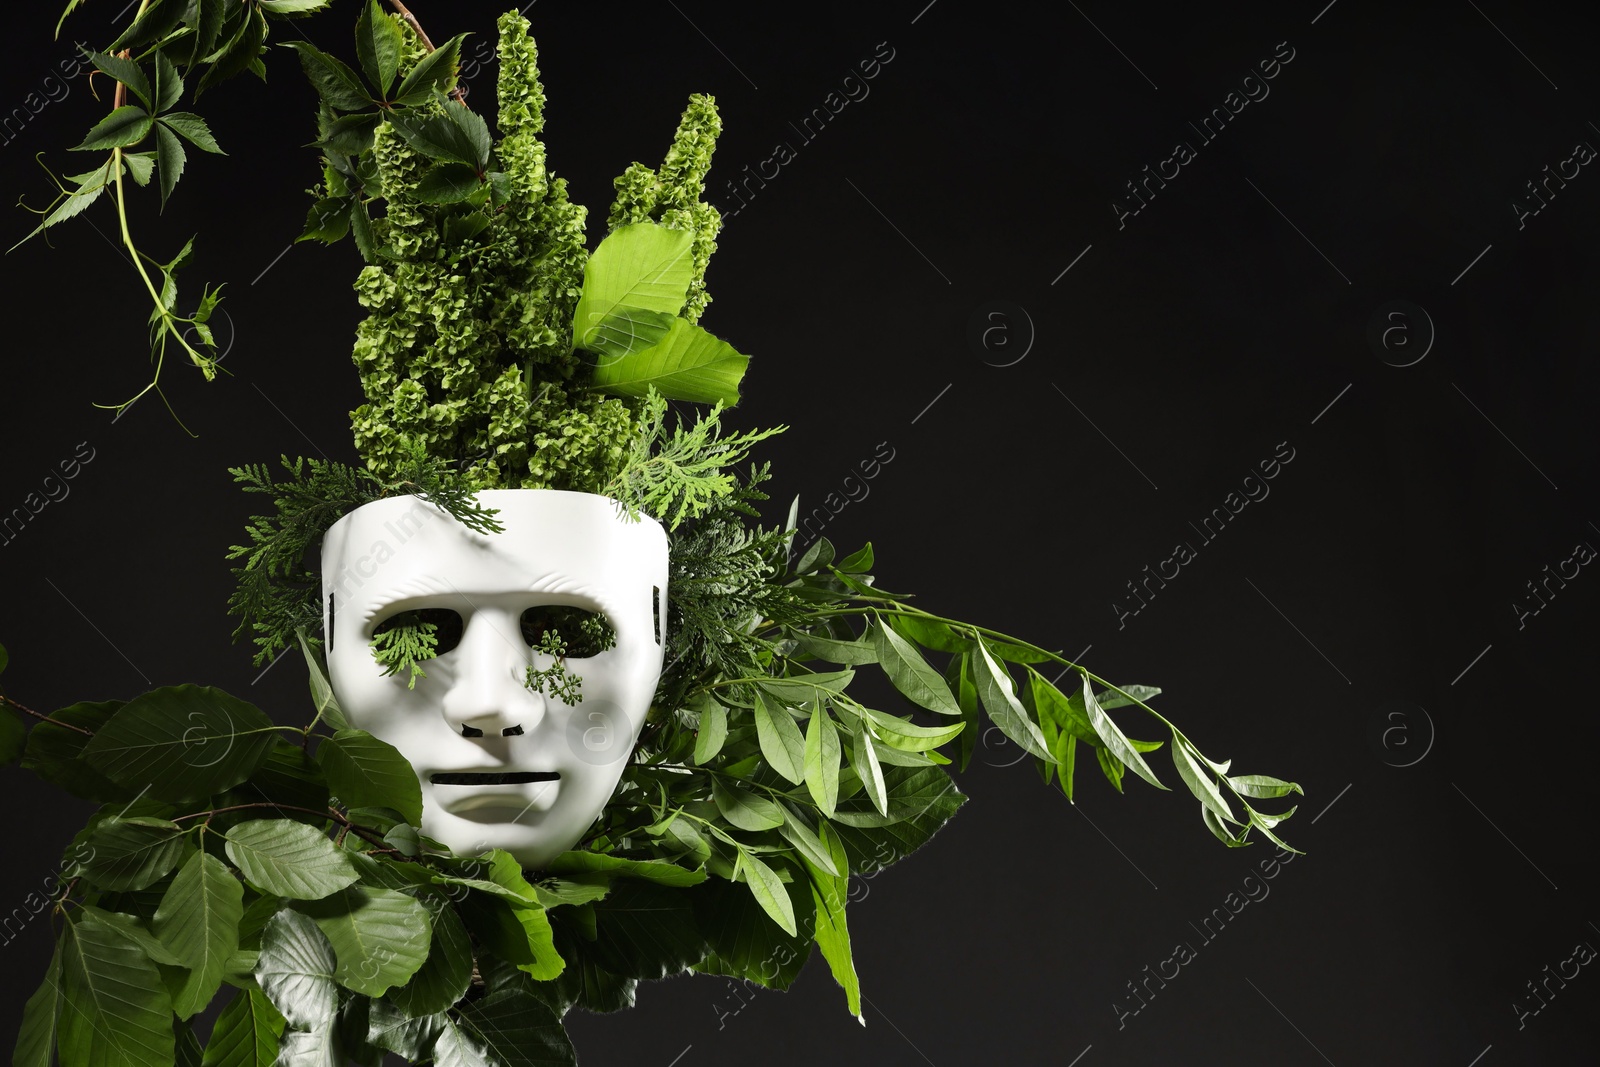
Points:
(283, 867)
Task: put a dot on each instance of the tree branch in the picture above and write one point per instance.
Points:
(46, 718)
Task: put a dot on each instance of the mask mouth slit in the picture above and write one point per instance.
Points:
(492, 777)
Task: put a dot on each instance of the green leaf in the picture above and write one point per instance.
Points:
(379, 41)
(768, 889)
(1067, 755)
(864, 759)
(296, 969)
(829, 893)
(288, 859)
(929, 633)
(436, 70)
(745, 809)
(805, 840)
(852, 653)
(132, 853)
(198, 920)
(168, 85)
(511, 1027)
(133, 928)
(907, 736)
(1015, 653)
(454, 1047)
(745, 942)
(169, 160)
(1221, 832)
(681, 835)
(634, 285)
(239, 53)
(447, 183)
(687, 364)
(379, 936)
(130, 74)
(301, 1049)
(458, 135)
(520, 935)
(657, 871)
(998, 693)
(1047, 727)
(858, 562)
(645, 931)
(1199, 779)
(90, 185)
(351, 134)
(1111, 767)
(246, 1033)
(36, 1037)
(1130, 693)
(819, 555)
(207, 27)
(125, 126)
(140, 165)
(447, 974)
(184, 742)
(193, 129)
(910, 673)
(186, 1050)
(322, 698)
(120, 1014)
(1261, 787)
(1066, 712)
(289, 8)
(958, 676)
(158, 20)
(920, 801)
(328, 220)
(822, 760)
(1266, 823)
(13, 737)
(1116, 742)
(338, 86)
(803, 688)
(780, 739)
(713, 730)
(363, 771)
(411, 1037)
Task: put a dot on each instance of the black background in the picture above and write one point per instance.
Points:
(1180, 348)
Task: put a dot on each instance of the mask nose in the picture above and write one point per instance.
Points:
(489, 697)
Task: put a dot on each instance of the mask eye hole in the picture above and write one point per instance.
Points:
(582, 633)
(447, 626)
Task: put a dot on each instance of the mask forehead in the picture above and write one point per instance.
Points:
(569, 547)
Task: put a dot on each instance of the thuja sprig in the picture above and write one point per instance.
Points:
(555, 680)
(403, 643)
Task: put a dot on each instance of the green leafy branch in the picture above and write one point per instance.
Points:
(278, 594)
(216, 39)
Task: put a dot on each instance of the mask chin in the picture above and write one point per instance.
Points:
(516, 747)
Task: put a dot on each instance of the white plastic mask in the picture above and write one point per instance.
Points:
(473, 720)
